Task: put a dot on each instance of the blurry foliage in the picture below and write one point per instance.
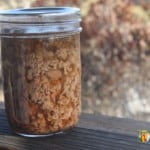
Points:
(43, 3)
(140, 12)
(10, 4)
(118, 34)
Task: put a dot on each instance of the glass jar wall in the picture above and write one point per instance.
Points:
(41, 69)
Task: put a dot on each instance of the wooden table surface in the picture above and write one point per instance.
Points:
(94, 132)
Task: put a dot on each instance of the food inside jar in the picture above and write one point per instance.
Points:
(42, 83)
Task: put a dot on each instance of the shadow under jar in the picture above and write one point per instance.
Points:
(41, 69)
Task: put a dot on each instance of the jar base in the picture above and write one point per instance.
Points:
(39, 135)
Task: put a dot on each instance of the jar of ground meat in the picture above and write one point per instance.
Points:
(41, 69)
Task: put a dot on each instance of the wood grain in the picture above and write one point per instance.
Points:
(94, 132)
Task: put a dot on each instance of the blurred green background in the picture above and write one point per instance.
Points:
(115, 49)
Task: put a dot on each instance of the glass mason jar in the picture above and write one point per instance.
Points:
(41, 69)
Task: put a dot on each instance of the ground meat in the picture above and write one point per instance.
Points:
(42, 78)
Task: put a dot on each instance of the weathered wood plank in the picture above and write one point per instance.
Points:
(113, 124)
(94, 132)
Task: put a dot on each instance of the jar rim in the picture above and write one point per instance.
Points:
(41, 15)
